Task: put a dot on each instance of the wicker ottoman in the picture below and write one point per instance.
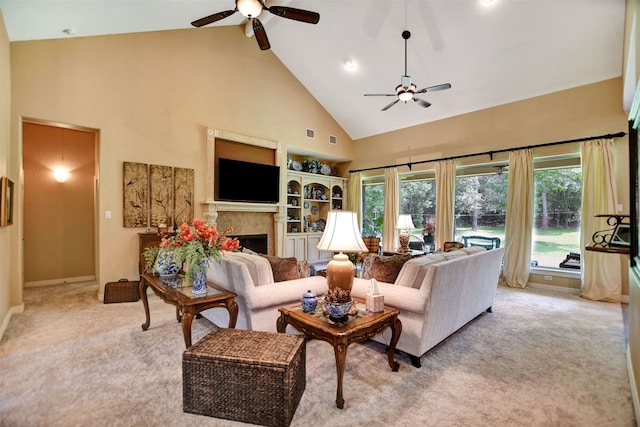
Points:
(249, 376)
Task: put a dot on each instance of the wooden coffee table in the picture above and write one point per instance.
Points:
(358, 328)
(177, 291)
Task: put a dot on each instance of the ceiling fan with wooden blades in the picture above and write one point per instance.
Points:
(251, 9)
(406, 90)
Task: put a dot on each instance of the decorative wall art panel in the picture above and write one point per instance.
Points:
(156, 194)
(136, 194)
(161, 189)
(183, 192)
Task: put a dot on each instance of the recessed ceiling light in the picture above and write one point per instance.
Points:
(349, 64)
(487, 2)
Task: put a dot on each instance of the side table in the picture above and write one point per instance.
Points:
(177, 291)
(359, 327)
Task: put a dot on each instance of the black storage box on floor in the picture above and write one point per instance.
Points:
(121, 291)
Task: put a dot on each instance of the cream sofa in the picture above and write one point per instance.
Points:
(437, 295)
(259, 297)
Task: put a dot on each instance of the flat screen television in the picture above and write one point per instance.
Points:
(240, 181)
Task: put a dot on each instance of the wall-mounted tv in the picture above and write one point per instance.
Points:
(240, 181)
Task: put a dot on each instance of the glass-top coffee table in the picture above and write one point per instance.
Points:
(360, 326)
(177, 291)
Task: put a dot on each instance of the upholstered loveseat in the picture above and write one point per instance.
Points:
(263, 284)
(438, 294)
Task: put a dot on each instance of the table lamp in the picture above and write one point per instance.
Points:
(404, 225)
(341, 234)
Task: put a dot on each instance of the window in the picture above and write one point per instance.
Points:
(556, 224)
(373, 209)
(480, 206)
(418, 198)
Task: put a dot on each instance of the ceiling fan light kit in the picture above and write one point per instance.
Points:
(406, 90)
(251, 9)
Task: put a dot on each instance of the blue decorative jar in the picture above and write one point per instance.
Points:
(309, 301)
(165, 265)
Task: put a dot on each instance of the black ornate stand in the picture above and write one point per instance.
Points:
(601, 240)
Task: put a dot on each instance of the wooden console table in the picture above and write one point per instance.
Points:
(172, 291)
(358, 328)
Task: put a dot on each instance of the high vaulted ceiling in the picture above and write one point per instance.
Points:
(491, 53)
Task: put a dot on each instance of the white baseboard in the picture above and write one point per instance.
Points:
(7, 319)
(623, 298)
(59, 281)
(553, 288)
(634, 390)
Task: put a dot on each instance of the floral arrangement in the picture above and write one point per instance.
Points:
(429, 228)
(337, 296)
(194, 246)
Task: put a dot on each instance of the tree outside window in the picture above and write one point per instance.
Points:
(480, 206)
(373, 210)
(556, 227)
(418, 198)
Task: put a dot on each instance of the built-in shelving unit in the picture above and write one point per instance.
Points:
(310, 197)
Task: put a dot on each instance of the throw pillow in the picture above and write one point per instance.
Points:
(304, 269)
(386, 268)
(283, 268)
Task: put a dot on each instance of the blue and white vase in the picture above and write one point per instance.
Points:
(309, 301)
(200, 279)
(165, 265)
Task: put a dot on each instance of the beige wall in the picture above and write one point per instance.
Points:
(580, 112)
(10, 281)
(152, 96)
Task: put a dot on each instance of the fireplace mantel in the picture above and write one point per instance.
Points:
(214, 205)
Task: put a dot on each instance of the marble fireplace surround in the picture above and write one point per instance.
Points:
(247, 218)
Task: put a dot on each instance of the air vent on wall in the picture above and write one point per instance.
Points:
(333, 140)
(311, 133)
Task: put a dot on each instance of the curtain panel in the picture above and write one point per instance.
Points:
(390, 235)
(355, 196)
(601, 277)
(519, 219)
(445, 201)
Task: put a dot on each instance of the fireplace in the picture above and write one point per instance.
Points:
(255, 242)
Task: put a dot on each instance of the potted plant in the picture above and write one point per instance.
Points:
(337, 302)
(194, 246)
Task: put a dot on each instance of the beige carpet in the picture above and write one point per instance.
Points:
(540, 359)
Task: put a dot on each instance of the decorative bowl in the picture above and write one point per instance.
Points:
(338, 311)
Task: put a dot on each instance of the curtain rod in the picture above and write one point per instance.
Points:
(491, 153)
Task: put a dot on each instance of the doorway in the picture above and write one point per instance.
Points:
(60, 169)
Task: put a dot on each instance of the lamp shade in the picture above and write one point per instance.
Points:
(405, 222)
(342, 233)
